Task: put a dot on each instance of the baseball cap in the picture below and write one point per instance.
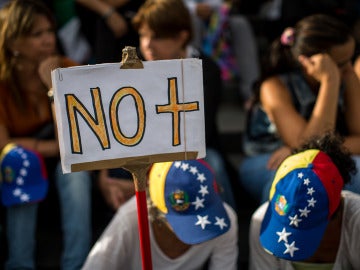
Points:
(23, 176)
(305, 193)
(185, 191)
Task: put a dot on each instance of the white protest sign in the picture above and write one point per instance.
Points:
(108, 117)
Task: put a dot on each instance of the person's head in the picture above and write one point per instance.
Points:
(27, 35)
(305, 196)
(314, 34)
(164, 27)
(185, 194)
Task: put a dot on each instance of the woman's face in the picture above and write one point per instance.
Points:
(342, 54)
(39, 44)
(154, 48)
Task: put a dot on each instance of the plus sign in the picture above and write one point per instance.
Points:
(176, 108)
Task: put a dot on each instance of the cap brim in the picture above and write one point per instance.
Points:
(35, 192)
(305, 242)
(185, 228)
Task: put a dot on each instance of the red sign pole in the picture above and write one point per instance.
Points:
(139, 173)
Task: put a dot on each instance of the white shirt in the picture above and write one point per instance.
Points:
(119, 248)
(348, 256)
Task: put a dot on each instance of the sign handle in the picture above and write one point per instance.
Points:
(139, 173)
(130, 60)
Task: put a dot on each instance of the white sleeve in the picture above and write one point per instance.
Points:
(259, 259)
(226, 252)
(116, 247)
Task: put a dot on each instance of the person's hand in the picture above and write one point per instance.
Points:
(45, 68)
(117, 24)
(116, 191)
(321, 67)
(204, 11)
(277, 157)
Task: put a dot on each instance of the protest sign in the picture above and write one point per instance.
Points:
(109, 117)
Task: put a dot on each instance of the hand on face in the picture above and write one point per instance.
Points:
(320, 66)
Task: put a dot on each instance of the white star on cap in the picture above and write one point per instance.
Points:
(201, 177)
(177, 164)
(300, 175)
(220, 222)
(26, 163)
(290, 248)
(304, 212)
(311, 202)
(310, 191)
(198, 203)
(185, 166)
(295, 220)
(23, 172)
(203, 190)
(202, 221)
(17, 192)
(20, 181)
(24, 197)
(193, 170)
(306, 181)
(283, 235)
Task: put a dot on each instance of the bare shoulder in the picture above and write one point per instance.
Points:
(274, 92)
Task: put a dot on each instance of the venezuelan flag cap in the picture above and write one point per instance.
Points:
(185, 191)
(305, 193)
(23, 176)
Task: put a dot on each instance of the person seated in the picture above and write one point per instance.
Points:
(310, 87)
(28, 53)
(165, 31)
(190, 226)
(309, 221)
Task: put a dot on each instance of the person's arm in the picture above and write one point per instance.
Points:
(106, 9)
(116, 191)
(357, 66)
(277, 102)
(47, 148)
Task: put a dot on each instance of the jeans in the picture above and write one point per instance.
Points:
(257, 179)
(75, 201)
(222, 178)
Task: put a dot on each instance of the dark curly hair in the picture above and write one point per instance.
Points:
(332, 144)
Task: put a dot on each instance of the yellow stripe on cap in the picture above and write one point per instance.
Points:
(300, 160)
(157, 179)
(7, 148)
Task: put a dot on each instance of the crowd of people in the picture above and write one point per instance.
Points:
(300, 146)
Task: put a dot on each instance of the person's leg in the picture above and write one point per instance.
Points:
(354, 185)
(21, 234)
(246, 52)
(75, 202)
(255, 177)
(222, 178)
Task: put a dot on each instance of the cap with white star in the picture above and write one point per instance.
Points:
(24, 176)
(185, 191)
(305, 193)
